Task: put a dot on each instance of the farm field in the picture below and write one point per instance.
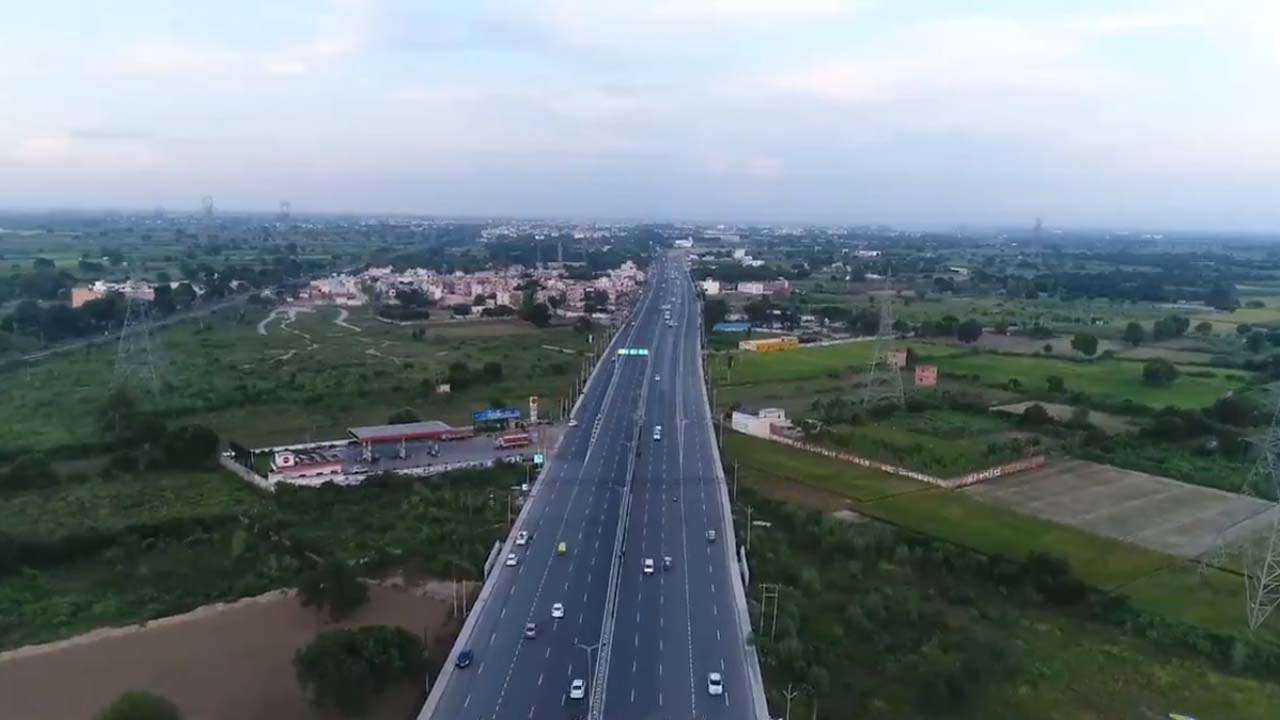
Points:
(1112, 380)
(306, 379)
(941, 442)
(898, 598)
(1213, 602)
(1154, 512)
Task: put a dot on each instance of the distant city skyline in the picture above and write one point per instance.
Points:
(1088, 114)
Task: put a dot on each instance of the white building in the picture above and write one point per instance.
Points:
(763, 423)
(711, 287)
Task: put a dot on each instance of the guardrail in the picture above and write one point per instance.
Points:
(436, 692)
(759, 702)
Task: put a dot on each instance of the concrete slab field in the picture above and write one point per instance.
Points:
(1148, 510)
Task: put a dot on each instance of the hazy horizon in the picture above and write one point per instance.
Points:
(1129, 115)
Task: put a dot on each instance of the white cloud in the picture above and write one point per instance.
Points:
(170, 57)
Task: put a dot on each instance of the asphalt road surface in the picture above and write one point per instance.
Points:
(667, 630)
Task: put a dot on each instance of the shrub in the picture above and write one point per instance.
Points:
(141, 705)
(1159, 371)
(333, 586)
(346, 670)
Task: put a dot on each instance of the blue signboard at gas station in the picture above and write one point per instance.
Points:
(633, 351)
(495, 415)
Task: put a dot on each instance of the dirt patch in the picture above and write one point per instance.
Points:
(851, 516)
(1148, 510)
(221, 661)
(1103, 421)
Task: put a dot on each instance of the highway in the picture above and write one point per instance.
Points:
(642, 644)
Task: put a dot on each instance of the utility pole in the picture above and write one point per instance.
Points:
(748, 527)
(769, 591)
(735, 489)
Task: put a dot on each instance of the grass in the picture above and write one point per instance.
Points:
(287, 387)
(940, 442)
(133, 570)
(1114, 380)
(1153, 581)
(877, 623)
(107, 505)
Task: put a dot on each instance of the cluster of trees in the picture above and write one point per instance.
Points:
(461, 376)
(346, 670)
(143, 439)
(536, 313)
(334, 588)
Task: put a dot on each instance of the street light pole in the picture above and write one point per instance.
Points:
(590, 682)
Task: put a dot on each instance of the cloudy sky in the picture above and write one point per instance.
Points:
(916, 113)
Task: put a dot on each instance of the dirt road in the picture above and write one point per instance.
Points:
(221, 661)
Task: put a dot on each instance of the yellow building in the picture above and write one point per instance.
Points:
(770, 344)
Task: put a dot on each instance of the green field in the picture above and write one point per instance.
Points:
(941, 442)
(1152, 580)
(880, 623)
(101, 552)
(311, 383)
(1110, 380)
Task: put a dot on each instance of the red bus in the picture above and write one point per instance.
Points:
(512, 440)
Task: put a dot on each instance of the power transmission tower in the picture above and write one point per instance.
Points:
(137, 354)
(206, 206)
(286, 210)
(1262, 557)
(885, 362)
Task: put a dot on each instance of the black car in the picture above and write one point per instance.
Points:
(464, 659)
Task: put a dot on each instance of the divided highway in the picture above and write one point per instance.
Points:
(617, 493)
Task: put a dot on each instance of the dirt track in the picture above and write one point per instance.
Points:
(221, 661)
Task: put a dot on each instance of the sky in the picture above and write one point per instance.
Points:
(911, 113)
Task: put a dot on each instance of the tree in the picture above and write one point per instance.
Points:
(1255, 341)
(969, 331)
(1055, 383)
(333, 586)
(1159, 371)
(184, 295)
(492, 371)
(346, 670)
(189, 447)
(403, 416)
(584, 326)
(1223, 296)
(1204, 328)
(1085, 344)
(1134, 334)
(43, 263)
(714, 311)
(1035, 415)
(141, 705)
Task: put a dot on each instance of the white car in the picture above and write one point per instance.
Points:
(715, 684)
(557, 611)
(657, 378)
(512, 560)
(648, 566)
(522, 538)
(577, 689)
(657, 432)
(573, 422)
